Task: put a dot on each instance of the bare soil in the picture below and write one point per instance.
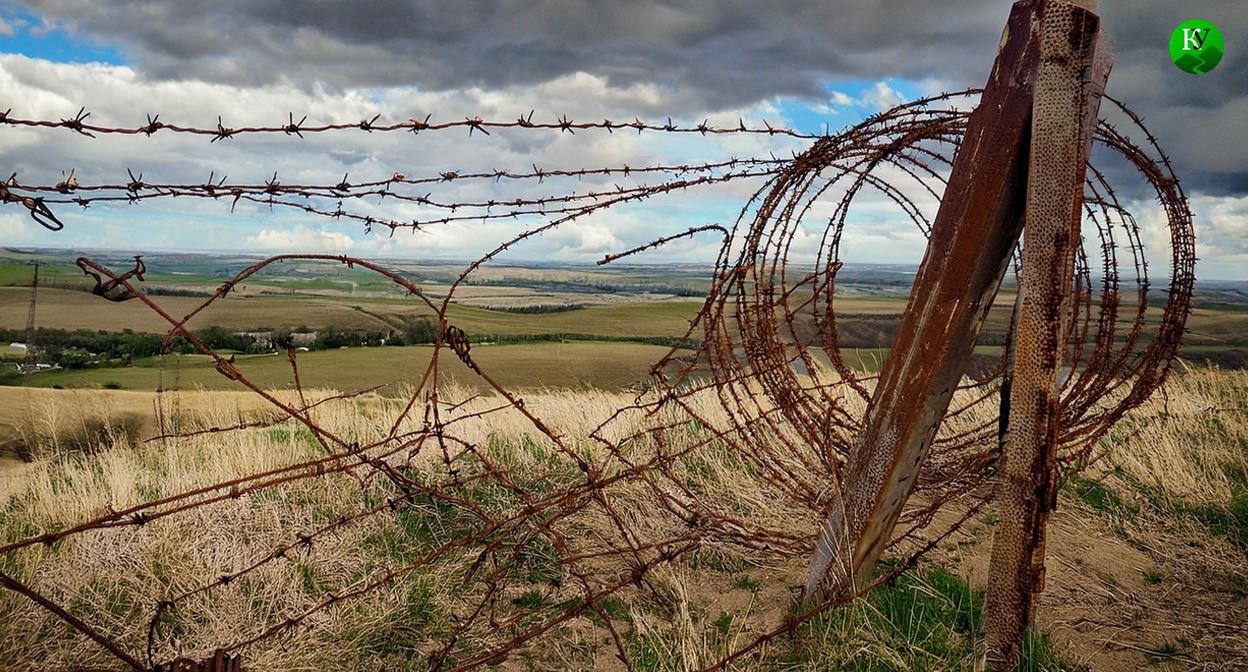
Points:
(1149, 593)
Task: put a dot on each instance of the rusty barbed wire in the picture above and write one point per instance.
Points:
(763, 377)
(38, 209)
(328, 200)
(563, 124)
(218, 186)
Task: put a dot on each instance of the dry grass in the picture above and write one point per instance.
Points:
(1170, 461)
(1191, 443)
(113, 578)
(1150, 566)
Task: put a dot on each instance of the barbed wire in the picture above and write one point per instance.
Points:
(768, 385)
(273, 194)
(328, 200)
(78, 124)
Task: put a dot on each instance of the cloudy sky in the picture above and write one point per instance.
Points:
(808, 65)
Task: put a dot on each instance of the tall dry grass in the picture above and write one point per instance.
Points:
(114, 578)
(1189, 443)
(1190, 447)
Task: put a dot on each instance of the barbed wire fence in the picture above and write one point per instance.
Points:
(767, 385)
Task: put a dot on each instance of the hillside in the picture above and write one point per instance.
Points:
(1147, 554)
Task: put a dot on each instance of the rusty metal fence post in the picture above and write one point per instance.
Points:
(974, 232)
(1074, 64)
(1023, 159)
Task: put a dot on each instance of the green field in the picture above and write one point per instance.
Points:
(626, 306)
(67, 309)
(206, 272)
(610, 366)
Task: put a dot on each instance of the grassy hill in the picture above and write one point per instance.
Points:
(1148, 553)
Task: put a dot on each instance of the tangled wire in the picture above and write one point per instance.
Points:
(768, 403)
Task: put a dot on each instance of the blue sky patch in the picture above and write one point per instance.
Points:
(846, 104)
(26, 33)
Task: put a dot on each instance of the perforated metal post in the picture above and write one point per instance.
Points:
(1074, 65)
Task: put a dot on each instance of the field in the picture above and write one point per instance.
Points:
(68, 309)
(1147, 552)
(643, 306)
(611, 366)
(639, 304)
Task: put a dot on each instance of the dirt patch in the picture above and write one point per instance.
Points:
(1125, 596)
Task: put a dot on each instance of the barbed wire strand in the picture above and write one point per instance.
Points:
(766, 351)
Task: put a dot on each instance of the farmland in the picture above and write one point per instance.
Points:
(533, 326)
(540, 325)
(575, 344)
(612, 366)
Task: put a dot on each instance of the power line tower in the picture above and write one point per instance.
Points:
(31, 356)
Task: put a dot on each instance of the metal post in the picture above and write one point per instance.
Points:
(1070, 78)
(973, 235)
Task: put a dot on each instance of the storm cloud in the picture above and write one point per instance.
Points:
(706, 55)
(256, 60)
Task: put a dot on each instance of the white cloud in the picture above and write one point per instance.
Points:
(881, 97)
(836, 103)
(583, 240)
(1221, 224)
(16, 227)
(453, 240)
(46, 27)
(299, 239)
(118, 95)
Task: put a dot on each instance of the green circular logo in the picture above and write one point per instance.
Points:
(1196, 46)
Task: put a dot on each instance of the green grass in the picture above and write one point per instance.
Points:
(532, 599)
(1228, 520)
(1040, 655)
(400, 637)
(16, 274)
(1099, 497)
(926, 620)
(300, 433)
(59, 273)
(746, 583)
(654, 653)
(1167, 650)
(615, 609)
(605, 365)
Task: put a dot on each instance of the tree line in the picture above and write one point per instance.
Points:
(81, 348)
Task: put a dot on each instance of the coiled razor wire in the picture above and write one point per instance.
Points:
(761, 377)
